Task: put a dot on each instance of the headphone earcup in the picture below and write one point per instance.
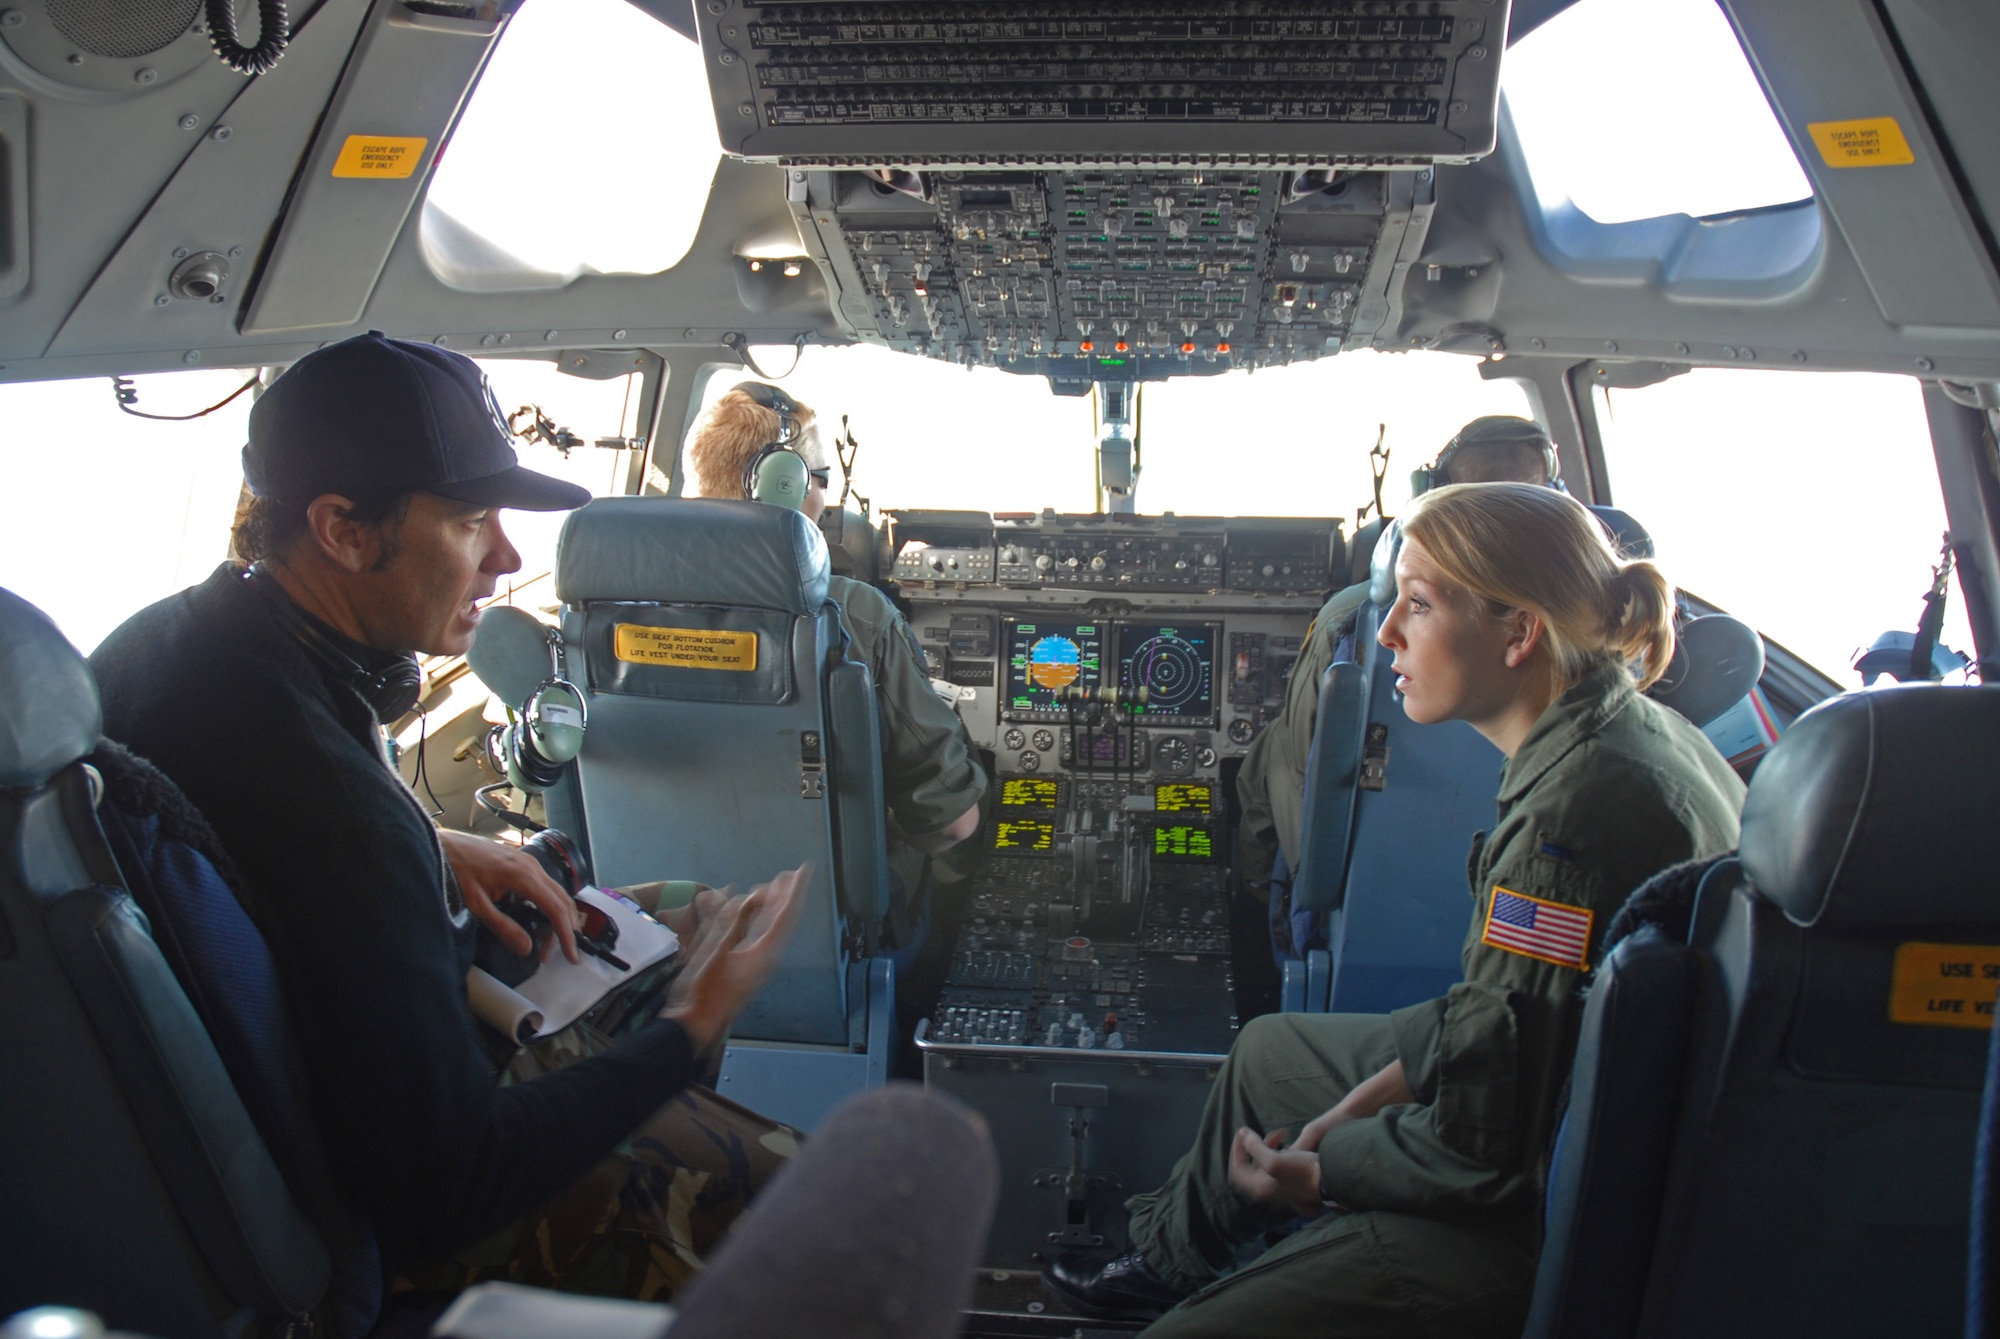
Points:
(395, 691)
(779, 478)
(527, 769)
(548, 735)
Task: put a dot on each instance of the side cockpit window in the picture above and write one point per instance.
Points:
(1806, 504)
(105, 513)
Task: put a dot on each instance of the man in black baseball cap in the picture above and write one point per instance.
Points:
(372, 446)
(374, 416)
(379, 468)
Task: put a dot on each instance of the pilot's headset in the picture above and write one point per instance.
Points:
(521, 658)
(777, 474)
(1492, 430)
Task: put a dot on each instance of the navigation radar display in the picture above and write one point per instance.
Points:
(1045, 657)
(1175, 664)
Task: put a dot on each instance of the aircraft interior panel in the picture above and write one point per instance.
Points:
(1115, 673)
(1354, 81)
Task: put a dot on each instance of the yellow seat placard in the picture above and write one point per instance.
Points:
(383, 157)
(1945, 985)
(1875, 142)
(686, 648)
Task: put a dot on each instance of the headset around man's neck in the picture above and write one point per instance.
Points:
(391, 687)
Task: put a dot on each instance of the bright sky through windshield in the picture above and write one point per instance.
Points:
(590, 142)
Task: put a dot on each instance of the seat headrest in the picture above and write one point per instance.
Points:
(1628, 538)
(1717, 661)
(49, 714)
(692, 551)
(1382, 566)
(1876, 810)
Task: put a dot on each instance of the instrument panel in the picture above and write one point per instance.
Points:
(1127, 648)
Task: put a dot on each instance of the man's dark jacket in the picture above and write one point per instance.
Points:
(347, 880)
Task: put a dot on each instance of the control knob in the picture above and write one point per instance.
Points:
(1096, 563)
(1043, 562)
(1208, 560)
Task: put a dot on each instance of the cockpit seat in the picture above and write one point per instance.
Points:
(1390, 807)
(730, 737)
(1797, 1089)
(136, 1182)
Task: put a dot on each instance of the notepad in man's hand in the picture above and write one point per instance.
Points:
(565, 990)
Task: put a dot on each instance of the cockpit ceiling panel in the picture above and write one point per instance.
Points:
(1099, 275)
(1102, 83)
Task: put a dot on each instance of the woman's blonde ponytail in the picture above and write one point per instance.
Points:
(1519, 546)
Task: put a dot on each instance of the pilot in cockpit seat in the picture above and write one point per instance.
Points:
(1498, 448)
(757, 442)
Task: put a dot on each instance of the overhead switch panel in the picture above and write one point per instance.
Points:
(1011, 83)
(1093, 275)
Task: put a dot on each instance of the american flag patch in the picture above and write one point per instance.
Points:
(1534, 928)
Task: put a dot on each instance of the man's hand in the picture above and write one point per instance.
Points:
(487, 871)
(733, 953)
(692, 921)
(1264, 1171)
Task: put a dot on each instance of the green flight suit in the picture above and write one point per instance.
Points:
(1437, 1235)
(1272, 784)
(929, 776)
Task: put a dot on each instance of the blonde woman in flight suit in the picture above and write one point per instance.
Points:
(1416, 1142)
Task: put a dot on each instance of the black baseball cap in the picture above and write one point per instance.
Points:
(375, 417)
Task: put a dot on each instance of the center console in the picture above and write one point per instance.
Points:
(1116, 668)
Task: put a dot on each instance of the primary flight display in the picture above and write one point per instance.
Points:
(1045, 657)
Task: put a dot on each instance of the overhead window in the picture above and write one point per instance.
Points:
(1633, 111)
(589, 144)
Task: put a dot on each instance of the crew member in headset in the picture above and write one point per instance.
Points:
(379, 469)
(1271, 788)
(743, 447)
